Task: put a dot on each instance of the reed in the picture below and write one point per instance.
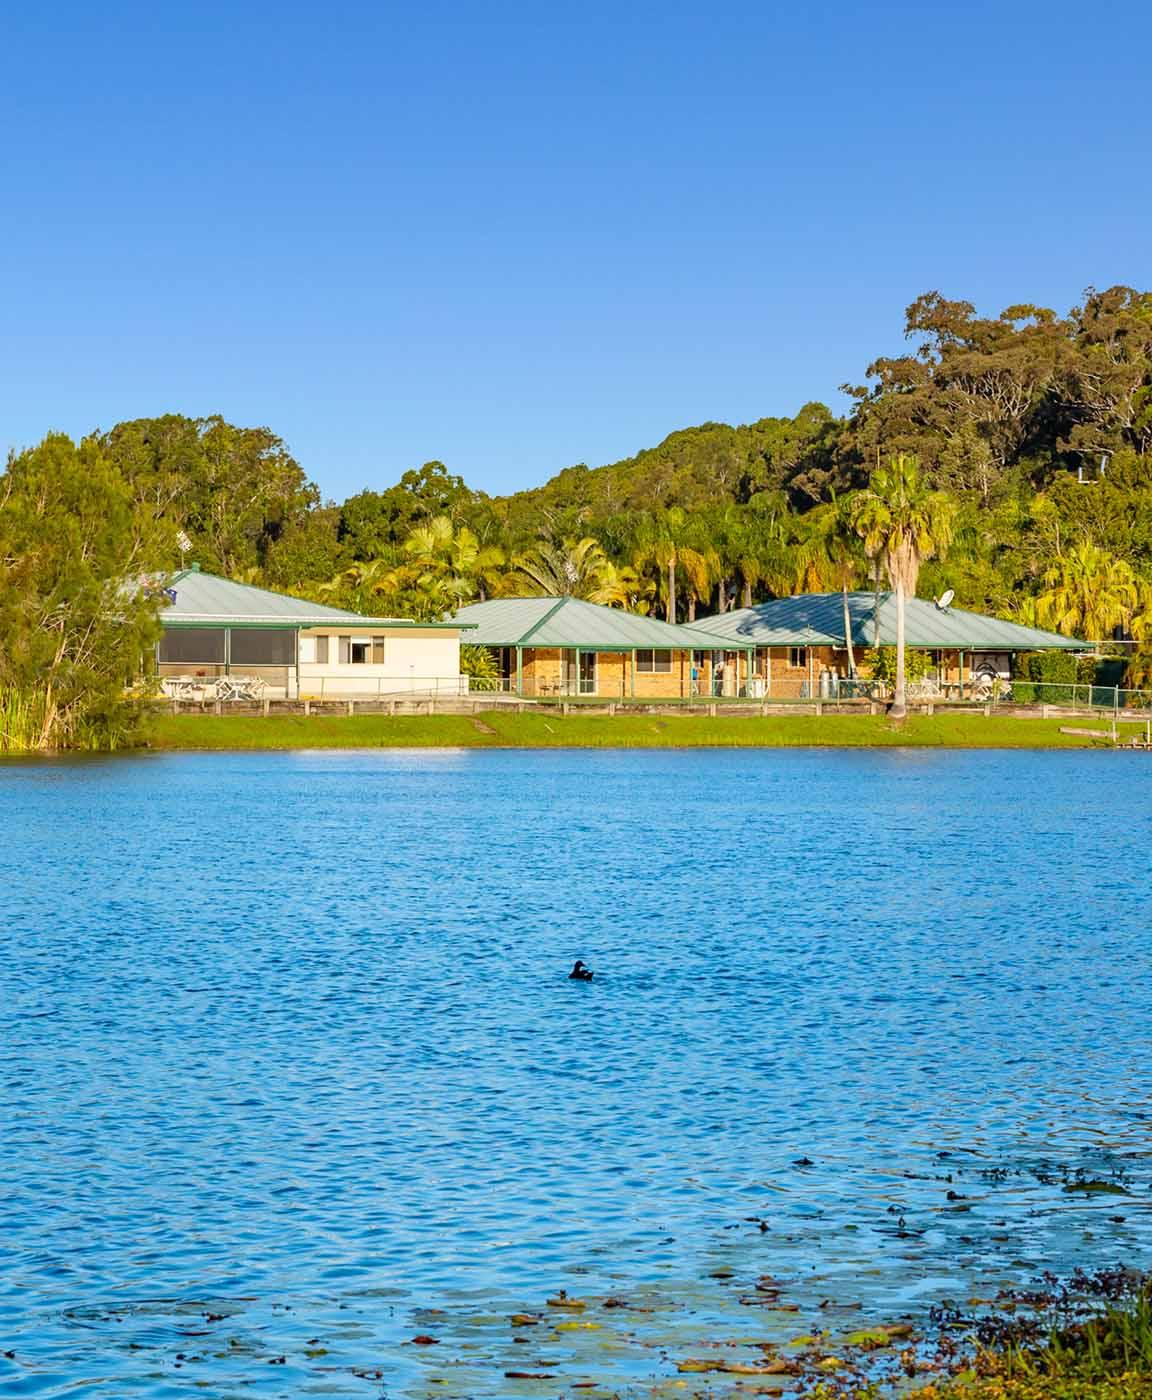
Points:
(28, 726)
(21, 721)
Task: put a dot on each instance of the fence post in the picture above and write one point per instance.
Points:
(351, 707)
(307, 707)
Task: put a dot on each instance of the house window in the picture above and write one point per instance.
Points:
(263, 646)
(361, 651)
(798, 658)
(654, 662)
(192, 646)
(322, 650)
(377, 651)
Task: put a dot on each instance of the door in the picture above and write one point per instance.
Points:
(580, 679)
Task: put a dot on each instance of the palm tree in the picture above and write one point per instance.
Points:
(573, 569)
(663, 545)
(1088, 593)
(455, 558)
(831, 554)
(352, 586)
(902, 523)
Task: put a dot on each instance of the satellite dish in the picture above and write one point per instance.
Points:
(945, 599)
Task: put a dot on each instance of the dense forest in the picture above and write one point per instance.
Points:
(1027, 437)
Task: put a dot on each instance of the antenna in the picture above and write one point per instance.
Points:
(945, 599)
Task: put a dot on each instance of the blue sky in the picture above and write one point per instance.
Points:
(516, 236)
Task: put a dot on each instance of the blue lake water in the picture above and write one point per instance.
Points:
(292, 1071)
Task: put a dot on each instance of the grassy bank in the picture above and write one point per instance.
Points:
(508, 730)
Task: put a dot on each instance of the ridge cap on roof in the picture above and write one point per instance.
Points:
(552, 611)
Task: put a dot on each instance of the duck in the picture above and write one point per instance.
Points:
(581, 973)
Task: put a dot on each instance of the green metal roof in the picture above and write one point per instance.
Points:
(817, 619)
(206, 600)
(571, 622)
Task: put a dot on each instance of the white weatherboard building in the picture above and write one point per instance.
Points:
(225, 638)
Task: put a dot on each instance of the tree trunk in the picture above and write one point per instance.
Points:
(848, 634)
(746, 601)
(672, 590)
(899, 708)
(691, 607)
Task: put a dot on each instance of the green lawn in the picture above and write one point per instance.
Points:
(498, 729)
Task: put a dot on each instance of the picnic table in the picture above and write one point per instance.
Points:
(220, 688)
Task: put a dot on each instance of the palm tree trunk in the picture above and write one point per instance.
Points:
(746, 601)
(848, 632)
(899, 708)
(691, 607)
(672, 589)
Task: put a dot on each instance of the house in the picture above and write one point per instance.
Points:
(216, 630)
(793, 647)
(568, 647)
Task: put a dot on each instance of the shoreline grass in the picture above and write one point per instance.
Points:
(494, 729)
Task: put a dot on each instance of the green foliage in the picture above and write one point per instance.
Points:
(1008, 457)
(75, 618)
(879, 663)
(234, 491)
(479, 664)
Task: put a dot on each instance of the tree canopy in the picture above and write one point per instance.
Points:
(1031, 431)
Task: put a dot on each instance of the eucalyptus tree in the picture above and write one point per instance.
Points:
(901, 523)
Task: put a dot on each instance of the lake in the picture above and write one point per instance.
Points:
(293, 1072)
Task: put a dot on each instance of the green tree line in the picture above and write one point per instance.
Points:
(1007, 457)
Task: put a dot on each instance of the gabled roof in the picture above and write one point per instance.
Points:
(206, 600)
(817, 619)
(571, 622)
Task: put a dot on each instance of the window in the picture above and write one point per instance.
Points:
(263, 646)
(344, 645)
(377, 651)
(798, 658)
(188, 646)
(654, 662)
(360, 651)
(322, 650)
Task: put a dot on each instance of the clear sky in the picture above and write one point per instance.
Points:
(513, 235)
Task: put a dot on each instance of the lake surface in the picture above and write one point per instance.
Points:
(292, 1071)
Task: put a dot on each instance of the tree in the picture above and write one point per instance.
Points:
(663, 545)
(374, 521)
(830, 555)
(76, 617)
(455, 558)
(572, 569)
(1088, 593)
(902, 523)
(232, 490)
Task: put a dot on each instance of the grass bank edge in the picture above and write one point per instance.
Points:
(496, 730)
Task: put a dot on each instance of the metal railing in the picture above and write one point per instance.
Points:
(1073, 695)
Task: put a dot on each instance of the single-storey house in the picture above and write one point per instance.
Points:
(797, 646)
(221, 635)
(547, 647)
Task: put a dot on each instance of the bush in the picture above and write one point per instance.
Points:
(880, 664)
